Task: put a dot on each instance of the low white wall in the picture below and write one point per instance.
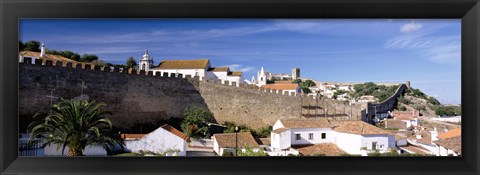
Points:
(51, 150)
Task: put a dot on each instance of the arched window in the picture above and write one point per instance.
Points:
(143, 66)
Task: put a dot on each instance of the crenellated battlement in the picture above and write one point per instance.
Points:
(139, 96)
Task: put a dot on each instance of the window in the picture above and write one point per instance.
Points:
(324, 135)
(297, 137)
(310, 136)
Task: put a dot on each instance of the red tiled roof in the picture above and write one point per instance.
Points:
(281, 86)
(175, 132)
(132, 136)
(329, 149)
(263, 141)
(182, 64)
(452, 143)
(231, 140)
(305, 123)
(358, 127)
(280, 130)
(452, 133)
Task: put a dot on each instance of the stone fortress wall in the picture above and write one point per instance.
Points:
(138, 96)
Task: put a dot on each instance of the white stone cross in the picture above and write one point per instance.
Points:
(51, 97)
(83, 86)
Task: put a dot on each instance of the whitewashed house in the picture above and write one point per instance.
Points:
(449, 143)
(185, 67)
(449, 147)
(164, 140)
(224, 74)
(345, 87)
(358, 137)
(229, 142)
(284, 88)
(353, 137)
(424, 139)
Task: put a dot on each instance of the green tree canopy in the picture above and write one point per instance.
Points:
(32, 45)
(21, 46)
(131, 63)
(75, 124)
(88, 58)
(194, 124)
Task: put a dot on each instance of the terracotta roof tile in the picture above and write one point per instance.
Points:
(399, 124)
(175, 132)
(305, 123)
(235, 73)
(263, 141)
(452, 133)
(182, 64)
(132, 136)
(426, 137)
(280, 130)
(416, 150)
(219, 69)
(281, 86)
(54, 58)
(358, 127)
(452, 143)
(228, 140)
(329, 149)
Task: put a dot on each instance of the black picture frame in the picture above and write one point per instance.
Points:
(466, 10)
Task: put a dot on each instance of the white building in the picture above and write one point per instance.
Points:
(164, 140)
(146, 62)
(449, 143)
(185, 67)
(353, 137)
(200, 68)
(229, 142)
(345, 87)
(284, 88)
(224, 74)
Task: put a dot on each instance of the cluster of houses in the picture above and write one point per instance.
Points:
(281, 82)
(426, 140)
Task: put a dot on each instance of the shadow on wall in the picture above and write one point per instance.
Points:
(132, 97)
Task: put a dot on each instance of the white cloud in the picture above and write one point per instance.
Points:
(438, 49)
(410, 27)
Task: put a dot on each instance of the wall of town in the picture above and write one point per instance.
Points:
(138, 97)
(386, 105)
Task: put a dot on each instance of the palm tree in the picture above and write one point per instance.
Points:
(75, 124)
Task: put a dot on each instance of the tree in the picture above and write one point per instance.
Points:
(298, 81)
(402, 108)
(21, 46)
(88, 58)
(194, 124)
(308, 83)
(32, 45)
(131, 63)
(75, 124)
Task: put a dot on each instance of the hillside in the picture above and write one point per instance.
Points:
(415, 99)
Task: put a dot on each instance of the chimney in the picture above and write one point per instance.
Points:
(42, 50)
(419, 136)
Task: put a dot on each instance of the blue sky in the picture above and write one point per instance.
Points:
(426, 52)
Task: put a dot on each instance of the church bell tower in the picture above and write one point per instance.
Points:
(146, 62)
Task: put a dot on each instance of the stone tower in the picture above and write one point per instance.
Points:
(408, 84)
(146, 62)
(262, 78)
(42, 50)
(295, 73)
